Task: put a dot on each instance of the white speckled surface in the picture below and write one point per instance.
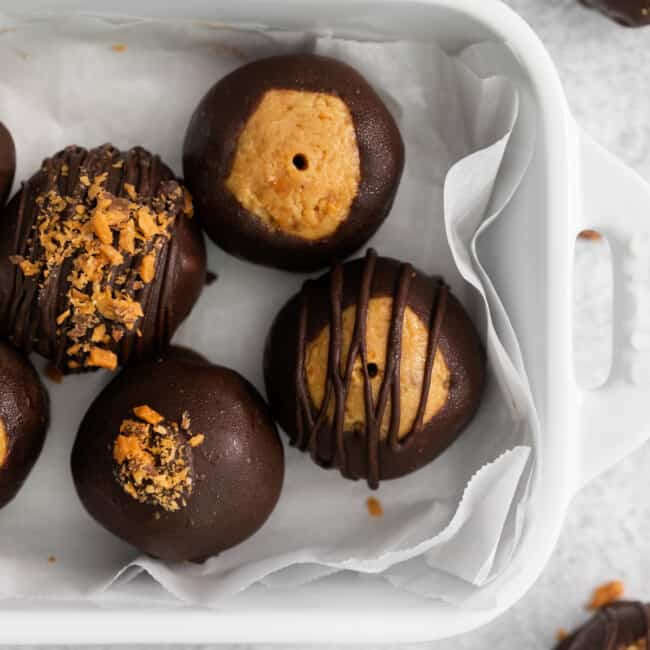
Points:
(606, 72)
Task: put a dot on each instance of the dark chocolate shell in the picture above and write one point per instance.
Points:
(378, 442)
(24, 418)
(100, 258)
(7, 163)
(213, 461)
(212, 141)
(618, 625)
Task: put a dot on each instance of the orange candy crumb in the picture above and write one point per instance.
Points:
(607, 593)
(374, 506)
(147, 414)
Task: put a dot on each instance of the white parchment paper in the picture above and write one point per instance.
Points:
(448, 528)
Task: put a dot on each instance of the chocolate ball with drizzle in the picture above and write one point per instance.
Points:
(374, 368)
(7, 163)
(622, 625)
(179, 457)
(100, 258)
(293, 161)
(630, 13)
(24, 418)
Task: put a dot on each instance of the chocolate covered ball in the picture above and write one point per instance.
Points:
(293, 161)
(7, 163)
(622, 625)
(100, 258)
(179, 457)
(24, 418)
(631, 13)
(374, 368)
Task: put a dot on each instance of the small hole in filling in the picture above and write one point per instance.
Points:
(300, 162)
(372, 369)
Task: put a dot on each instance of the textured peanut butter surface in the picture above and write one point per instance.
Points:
(415, 338)
(4, 443)
(296, 166)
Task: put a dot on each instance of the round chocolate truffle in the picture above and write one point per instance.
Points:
(293, 161)
(7, 163)
(179, 457)
(630, 13)
(374, 368)
(100, 258)
(24, 418)
(622, 625)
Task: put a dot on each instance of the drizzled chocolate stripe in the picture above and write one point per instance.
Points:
(310, 425)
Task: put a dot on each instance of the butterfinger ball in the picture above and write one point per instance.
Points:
(293, 161)
(24, 418)
(374, 368)
(179, 457)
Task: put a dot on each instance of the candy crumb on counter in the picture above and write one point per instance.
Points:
(592, 235)
(606, 593)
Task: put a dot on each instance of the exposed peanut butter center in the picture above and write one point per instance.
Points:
(639, 645)
(415, 339)
(152, 457)
(4, 443)
(296, 165)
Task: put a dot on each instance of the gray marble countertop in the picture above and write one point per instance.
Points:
(606, 73)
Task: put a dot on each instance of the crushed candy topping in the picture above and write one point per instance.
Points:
(153, 461)
(109, 247)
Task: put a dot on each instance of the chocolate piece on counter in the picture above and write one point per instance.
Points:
(179, 457)
(293, 161)
(622, 625)
(100, 258)
(374, 368)
(631, 13)
(7, 163)
(24, 418)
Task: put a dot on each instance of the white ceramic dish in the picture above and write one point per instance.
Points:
(571, 184)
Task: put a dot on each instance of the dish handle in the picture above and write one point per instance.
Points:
(614, 418)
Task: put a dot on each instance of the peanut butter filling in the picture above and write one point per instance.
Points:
(639, 645)
(415, 338)
(296, 166)
(153, 458)
(4, 443)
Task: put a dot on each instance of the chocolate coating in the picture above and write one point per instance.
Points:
(630, 13)
(7, 163)
(237, 471)
(33, 305)
(24, 418)
(362, 453)
(211, 142)
(614, 626)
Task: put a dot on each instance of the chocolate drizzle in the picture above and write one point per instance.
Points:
(52, 303)
(309, 425)
(614, 627)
